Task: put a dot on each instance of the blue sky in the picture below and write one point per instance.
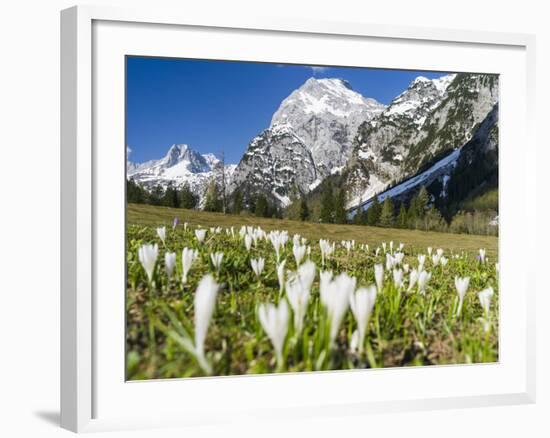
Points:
(211, 105)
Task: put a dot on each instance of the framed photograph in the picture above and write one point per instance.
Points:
(269, 218)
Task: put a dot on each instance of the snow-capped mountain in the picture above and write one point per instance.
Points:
(421, 126)
(418, 100)
(309, 138)
(464, 169)
(180, 166)
(325, 114)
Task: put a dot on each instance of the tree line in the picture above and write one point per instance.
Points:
(215, 201)
(168, 197)
(418, 212)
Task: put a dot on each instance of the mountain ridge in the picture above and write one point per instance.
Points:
(324, 128)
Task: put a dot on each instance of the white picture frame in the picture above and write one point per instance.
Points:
(92, 394)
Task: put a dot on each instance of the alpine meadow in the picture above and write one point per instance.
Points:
(308, 218)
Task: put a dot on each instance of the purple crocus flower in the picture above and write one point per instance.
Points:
(175, 223)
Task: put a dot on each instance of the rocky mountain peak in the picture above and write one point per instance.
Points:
(421, 97)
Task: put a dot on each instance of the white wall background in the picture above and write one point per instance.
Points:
(29, 214)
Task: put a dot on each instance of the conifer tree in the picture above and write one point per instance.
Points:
(134, 192)
(171, 197)
(262, 207)
(327, 204)
(402, 216)
(386, 215)
(373, 212)
(340, 216)
(156, 195)
(412, 213)
(422, 201)
(363, 217)
(213, 201)
(237, 202)
(304, 210)
(188, 199)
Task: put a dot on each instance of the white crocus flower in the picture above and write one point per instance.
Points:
(443, 261)
(298, 296)
(413, 278)
(384, 246)
(439, 252)
(307, 272)
(185, 225)
(430, 251)
(299, 252)
(461, 285)
(485, 297)
(389, 262)
(337, 301)
(398, 258)
(258, 266)
(421, 260)
(482, 253)
(205, 300)
(242, 231)
(406, 268)
(169, 263)
(281, 275)
(485, 300)
(161, 232)
(391, 246)
(348, 244)
(362, 303)
(435, 259)
(377, 251)
(423, 279)
(398, 278)
(379, 277)
(148, 255)
(326, 250)
(248, 242)
(274, 321)
(401, 246)
(188, 256)
(200, 233)
(277, 239)
(217, 258)
(324, 283)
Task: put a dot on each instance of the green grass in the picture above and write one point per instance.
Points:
(406, 328)
(153, 215)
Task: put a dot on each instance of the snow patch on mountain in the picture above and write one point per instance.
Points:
(441, 168)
